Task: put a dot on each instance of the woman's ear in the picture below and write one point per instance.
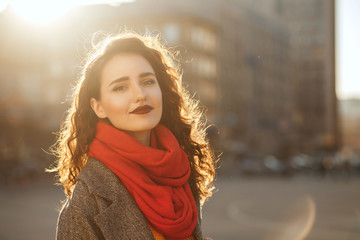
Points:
(97, 108)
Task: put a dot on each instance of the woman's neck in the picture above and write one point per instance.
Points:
(143, 136)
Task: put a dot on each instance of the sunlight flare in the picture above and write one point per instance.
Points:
(44, 12)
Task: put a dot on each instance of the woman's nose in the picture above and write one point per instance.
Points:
(139, 93)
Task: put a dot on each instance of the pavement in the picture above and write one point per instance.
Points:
(302, 207)
(264, 208)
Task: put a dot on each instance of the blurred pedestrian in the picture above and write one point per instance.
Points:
(132, 154)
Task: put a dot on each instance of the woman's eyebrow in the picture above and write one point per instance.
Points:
(126, 78)
(121, 79)
(146, 74)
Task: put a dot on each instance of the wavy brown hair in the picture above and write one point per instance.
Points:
(181, 113)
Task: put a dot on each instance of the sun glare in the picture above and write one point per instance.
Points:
(40, 12)
(46, 11)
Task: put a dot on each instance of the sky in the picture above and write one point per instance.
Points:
(347, 35)
(348, 48)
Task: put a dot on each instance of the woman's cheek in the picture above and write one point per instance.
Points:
(117, 104)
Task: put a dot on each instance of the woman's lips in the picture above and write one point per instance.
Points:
(142, 109)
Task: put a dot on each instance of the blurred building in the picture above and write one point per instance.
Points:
(312, 28)
(255, 79)
(350, 123)
(264, 69)
(33, 74)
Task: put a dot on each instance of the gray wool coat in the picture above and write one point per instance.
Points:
(100, 207)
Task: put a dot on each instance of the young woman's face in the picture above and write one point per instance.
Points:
(130, 95)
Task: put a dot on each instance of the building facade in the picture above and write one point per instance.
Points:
(264, 69)
(312, 29)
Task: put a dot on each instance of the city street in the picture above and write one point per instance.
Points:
(242, 208)
(270, 85)
(284, 209)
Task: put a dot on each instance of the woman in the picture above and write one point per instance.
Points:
(132, 153)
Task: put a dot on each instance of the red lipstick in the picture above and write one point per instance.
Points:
(142, 109)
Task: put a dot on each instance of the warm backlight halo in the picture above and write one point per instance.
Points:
(47, 11)
(40, 11)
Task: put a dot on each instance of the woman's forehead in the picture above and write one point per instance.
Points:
(125, 65)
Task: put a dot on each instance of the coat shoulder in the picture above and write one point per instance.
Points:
(75, 220)
(95, 189)
(100, 207)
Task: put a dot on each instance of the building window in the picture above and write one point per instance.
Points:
(203, 38)
(172, 33)
(204, 66)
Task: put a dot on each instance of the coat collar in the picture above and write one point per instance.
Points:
(100, 180)
(118, 213)
(120, 216)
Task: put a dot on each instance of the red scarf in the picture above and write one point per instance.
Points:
(155, 176)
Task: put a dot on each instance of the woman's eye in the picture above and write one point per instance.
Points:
(119, 88)
(149, 82)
